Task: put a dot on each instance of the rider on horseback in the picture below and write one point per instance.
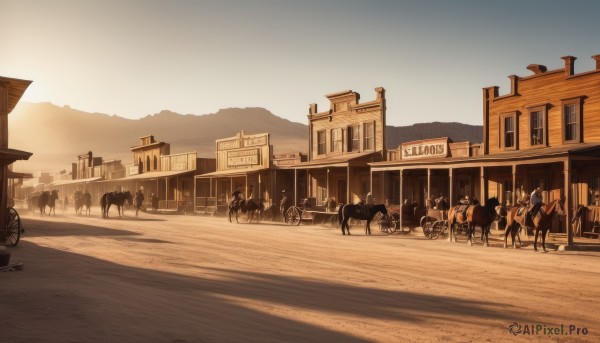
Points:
(535, 202)
(236, 197)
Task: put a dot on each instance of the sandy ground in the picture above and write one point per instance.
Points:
(167, 278)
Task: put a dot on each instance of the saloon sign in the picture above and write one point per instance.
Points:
(425, 149)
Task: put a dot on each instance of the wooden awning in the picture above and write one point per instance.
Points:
(16, 88)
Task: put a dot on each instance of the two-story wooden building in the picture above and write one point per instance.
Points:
(341, 141)
(544, 133)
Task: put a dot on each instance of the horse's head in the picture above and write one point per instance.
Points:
(379, 208)
(128, 197)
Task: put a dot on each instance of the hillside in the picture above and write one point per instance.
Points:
(56, 135)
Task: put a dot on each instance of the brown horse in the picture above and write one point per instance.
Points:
(542, 220)
(475, 215)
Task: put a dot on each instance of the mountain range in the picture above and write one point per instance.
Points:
(56, 135)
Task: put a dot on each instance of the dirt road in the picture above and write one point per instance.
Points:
(201, 279)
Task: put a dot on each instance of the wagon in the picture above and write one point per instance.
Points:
(297, 214)
(13, 227)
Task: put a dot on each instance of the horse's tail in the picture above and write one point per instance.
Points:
(103, 204)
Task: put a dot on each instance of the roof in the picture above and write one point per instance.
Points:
(16, 175)
(345, 160)
(71, 182)
(11, 155)
(16, 88)
(581, 149)
(230, 172)
(153, 175)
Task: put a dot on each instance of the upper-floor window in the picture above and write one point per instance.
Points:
(509, 131)
(321, 142)
(571, 121)
(336, 140)
(537, 126)
(369, 132)
(353, 138)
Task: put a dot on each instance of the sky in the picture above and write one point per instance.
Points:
(134, 58)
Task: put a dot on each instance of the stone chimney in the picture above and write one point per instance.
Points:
(312, 109)
(569, 65)
(537, 69)
(597, 58)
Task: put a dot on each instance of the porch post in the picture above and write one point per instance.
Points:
(428, 185)
(514, 184)
(450, 195)
(328, 195)
(348, 185)
(295, 185)
(482, 191)
(568, 199)
(194, 202)
(401, 201)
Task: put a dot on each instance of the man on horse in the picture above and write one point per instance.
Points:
(535, 202)
(236, 197)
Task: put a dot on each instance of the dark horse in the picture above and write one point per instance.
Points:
(475, 215)
(356, 211)
(234, 207)
(87, 201)
(47, 198)
(78, 201)
(252, 207)
(115, 198)
(542, 220)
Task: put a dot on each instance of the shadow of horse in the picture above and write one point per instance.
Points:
(117, 199)
(356, 212)
(474, 215)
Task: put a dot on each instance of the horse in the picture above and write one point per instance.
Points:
(42, 201)
(542, 220)
(78, 201)
(115, 198)
(474, 215)
(52, 202)
(356, 211)
(234, 207)
(87, 201)
(252, 207)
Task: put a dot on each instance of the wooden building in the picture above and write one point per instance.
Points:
(11, 91)
(342, 140)
(245, 163)
(545, 132)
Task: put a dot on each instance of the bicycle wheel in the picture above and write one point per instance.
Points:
(426, 225)
(436, 229)
(13, 227)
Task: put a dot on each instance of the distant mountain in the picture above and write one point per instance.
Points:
(458, 132)
(56, 135)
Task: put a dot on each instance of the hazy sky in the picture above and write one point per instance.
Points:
(134, 58)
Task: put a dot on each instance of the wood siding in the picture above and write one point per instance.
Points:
(548, 90)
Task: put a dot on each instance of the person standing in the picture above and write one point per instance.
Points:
(139, 200)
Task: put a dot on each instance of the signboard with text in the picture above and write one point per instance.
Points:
(425, 149)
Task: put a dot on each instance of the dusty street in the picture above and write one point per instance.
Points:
(160, 278)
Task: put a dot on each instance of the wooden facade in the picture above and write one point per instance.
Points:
(342, 140)
(11, 91)
(545, 132)
(245, 163)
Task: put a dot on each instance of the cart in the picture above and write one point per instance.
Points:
(434, 223)
(297, 214)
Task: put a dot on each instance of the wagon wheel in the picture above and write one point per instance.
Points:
(13, 227)
(292, 216)
(427, 224)
(436, 229)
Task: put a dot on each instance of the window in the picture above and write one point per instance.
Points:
(509, 133)
(321, 142)
(571, 120)
(369, 143)
(147, 163)
(537, 126)
(155, 163)
(336, 140)
(353, 138)
(594, 191)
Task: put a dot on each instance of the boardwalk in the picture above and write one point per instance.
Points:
(192, 279)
